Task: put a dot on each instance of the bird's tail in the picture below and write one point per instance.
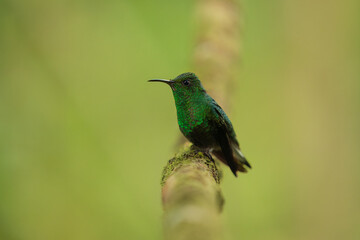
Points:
(239, 159)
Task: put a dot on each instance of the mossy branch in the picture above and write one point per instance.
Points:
(190, 155)
(191, 196)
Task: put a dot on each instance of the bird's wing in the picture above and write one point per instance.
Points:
(223, 138)
(229, 144)
(226, 121)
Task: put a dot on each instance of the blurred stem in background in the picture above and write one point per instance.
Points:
(217, 50)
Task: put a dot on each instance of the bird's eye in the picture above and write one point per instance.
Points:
(186, 82)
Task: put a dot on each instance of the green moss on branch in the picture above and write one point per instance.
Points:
(191, 196)
(191, 155)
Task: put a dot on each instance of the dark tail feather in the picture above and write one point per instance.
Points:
(238, 155)
(239, 159)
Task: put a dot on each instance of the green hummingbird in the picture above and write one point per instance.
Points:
(204, 123)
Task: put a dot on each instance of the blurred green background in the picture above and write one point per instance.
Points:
(84, 137)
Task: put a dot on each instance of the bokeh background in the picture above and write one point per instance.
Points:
(84, 137)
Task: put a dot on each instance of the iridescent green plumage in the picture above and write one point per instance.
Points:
(204, 123)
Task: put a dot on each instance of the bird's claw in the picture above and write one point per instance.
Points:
(206, 152)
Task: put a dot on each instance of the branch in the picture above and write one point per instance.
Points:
(191, 194)
(191, 197)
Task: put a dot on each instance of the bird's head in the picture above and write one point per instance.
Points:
(185, 85)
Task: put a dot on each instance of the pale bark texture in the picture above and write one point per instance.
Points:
(191, 197)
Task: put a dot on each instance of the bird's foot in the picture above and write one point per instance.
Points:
(206, 152)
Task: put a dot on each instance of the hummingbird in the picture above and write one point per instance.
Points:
(204, 123)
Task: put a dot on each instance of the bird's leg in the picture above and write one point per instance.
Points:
(195, 148)
(208, 154)
(205, 151)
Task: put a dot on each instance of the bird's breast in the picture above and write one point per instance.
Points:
(196, 127)
(190, 118)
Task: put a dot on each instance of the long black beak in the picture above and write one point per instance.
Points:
(161, 80)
